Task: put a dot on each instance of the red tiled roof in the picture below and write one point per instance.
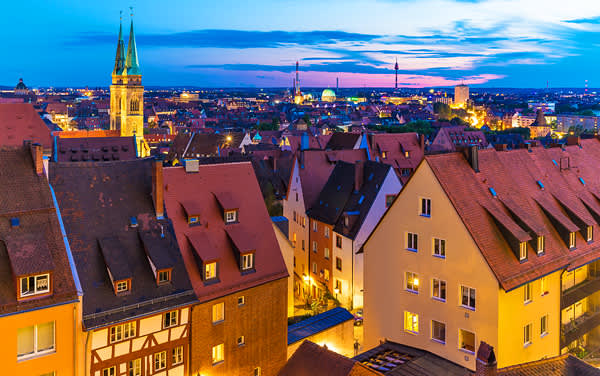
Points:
(514, 176)
(20, 122)
(564, 365)
(210, 239)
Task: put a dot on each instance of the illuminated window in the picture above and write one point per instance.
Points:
(34, 285)
(178, 355)
(326, 271)
(164, 276)
(338, 263)
(315, 226)
(438, 331)
(314, 246)
(544, 285)
(241, 300)
(314, 267)
(326, 231)
(230, 216)
(438, 289)
(110, 371)
(383, 155)
(257, 371)
(218, 353)
(544, 325)
(241, 341)
(210, 271)
(412, 241)
(135, 367)
(425, 207)
(572, 243)
(590, 233)
(412, 282)
(467, 297)
(218, 312)
(527, 293)
(466, 341)
(35, 340)
(527, 329)
(541, 244)
(160, 360)
(439, 247)
(169, 319)
(122, 286)
(326, 253)
(523, 251)
(248, 261)
(411, 322)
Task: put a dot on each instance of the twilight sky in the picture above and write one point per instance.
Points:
(239, 43)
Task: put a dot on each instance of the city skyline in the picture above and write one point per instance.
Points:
(493, 43)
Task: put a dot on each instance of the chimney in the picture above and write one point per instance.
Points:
(486, 365)
(422, 141)
(157, 188)
(473, 157)
(573, 140)
(304, 141)
(274, 164)
(359, 170)
(501, 147)
(38, 159)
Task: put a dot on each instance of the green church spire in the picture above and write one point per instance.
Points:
(132, 66)
(120, 57)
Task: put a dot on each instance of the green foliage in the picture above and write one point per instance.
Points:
(306, 119)
(524, 132)
(459, 121)
(586, 113)
(273, 205)
(418, 126)
(443, 110)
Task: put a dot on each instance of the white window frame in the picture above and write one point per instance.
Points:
(522, 251)
(314, 246)
(120, 285)
(160, 358)
(162, 273)
(37, 352)
(590, 233)
(326, 253)
(527, 334)
(527, 293)
(122, 332)
(170, 319)
(177, 355)
(135, 367)
(541, 244)
(572, 240)
(210, 270)
(231, 216)
(425, 207)
(439, 247)
(218, 353)
(544, 286)
(35, 290)
(109, 371)
(241, 300)
(440, 283)
(248, 261)
(414, 276)
(442, 341)
(315, 226)
(412, 241)
(544, 325)
(326, 231)
(468, 305)
(412, 315)
(474, 341)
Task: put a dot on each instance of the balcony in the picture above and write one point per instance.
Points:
(580, 291)
(580, 326)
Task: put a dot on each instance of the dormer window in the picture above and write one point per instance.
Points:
(210, 271)
(522, 251)
(122, 286)
(35, 285)
(541, 244)
(383, 155)
(572, 243)
(231, 216)
(407, 154)
(164, 276)
(248, 261)
(193, 220)
(590, 233)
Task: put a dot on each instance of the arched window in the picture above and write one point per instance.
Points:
(134, 105)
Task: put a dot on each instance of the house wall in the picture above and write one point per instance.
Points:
(288, 256)
(61, 361)
(298, 233)
(344, 276)
(387, 260)
(150, 339)
(324, 265)
(339, 338)
(262, 320)
(391, 186)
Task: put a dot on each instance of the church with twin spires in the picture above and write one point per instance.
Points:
(127, 94)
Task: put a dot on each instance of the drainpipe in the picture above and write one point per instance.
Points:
(560, 299)
(75, 339)
(87, 338)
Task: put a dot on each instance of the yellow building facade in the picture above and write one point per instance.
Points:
(404, 301)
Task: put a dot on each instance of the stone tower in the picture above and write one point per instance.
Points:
(127, 94)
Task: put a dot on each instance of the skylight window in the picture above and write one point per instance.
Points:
(556, 164)
(493, 192)
(582, 181)
(361, 199)
(539, 183)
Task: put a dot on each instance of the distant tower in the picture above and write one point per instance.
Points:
(396, 69)
(461, 94)
(298, 98)
(337, 85)
(127, 93)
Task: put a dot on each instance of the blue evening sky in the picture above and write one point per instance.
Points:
(225, 43)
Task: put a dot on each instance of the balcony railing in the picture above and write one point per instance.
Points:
(580, 326)
(581, 290)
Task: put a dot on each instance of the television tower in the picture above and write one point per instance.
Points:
(297, 88)
(396, 68)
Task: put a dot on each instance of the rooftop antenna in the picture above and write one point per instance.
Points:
(131, 11)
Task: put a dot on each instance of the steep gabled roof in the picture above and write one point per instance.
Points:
(537, 193)
(564, 365)
(20, 122)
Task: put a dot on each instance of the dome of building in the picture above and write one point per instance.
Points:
(328, 95)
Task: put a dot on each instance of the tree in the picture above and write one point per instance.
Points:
(442, 110)
(306, 119)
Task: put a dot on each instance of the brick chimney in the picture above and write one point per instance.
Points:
(359, 171)
(573, 140)
(422, 141)
(472, 154)
(157, 188)
(485, 364)
(37, 157)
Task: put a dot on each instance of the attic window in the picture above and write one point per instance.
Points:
(556, 164)
(361, 199)
(582, 181)
(164, 276)
(407, 154)
(247, 261)
(572, 243)
(34, 285)
(193, 220)
(590, 233)
(493, 192)
(122, 286)
(231, 216)
(541, 244)
(539, 183)
(384, 155)
(522, 251)
(210, 271)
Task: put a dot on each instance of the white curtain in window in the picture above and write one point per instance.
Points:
(25, 341)
(45, 336)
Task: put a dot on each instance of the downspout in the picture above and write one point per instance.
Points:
(75, 340)
(560, 300)
(85, 366)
